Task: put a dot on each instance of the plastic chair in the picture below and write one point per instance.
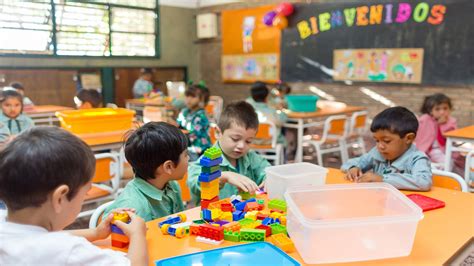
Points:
(106, 180)
(269, 149)
(154, 114)
(357, 128)
(334, 135)
(214, 107)
(185, 192)
(448, 180)
(469, 170)
(212, 133)
(96, 216)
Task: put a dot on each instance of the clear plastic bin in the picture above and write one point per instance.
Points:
(280, 177)
(96, 120)
(351, 222)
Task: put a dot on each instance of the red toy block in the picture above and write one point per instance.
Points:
(273, 210)
(268, 229)
(205, 203)
(227, 207)
(251, 206)
(118, 244)
(212, 232)
(261, 216)
(194, 229)
(119, 237)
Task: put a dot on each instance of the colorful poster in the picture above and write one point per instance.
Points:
(250, 49)
(379, 65)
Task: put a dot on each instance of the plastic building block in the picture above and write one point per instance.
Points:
(180, 218)
(226, 216)
(284, 242)
(205, 177)
(274, 210)
(209, 193)
(240, 206)
(268, 229)
(205, 203)
(211, 169)
(208, 240)
(115, 229)
(221, 223)
(238, 215)
(179, 232)
(235, 197)
(251, 200)
(251, 215)
(206, 215)
(283, 220)
(215, 214)
(194, 229)
(121, 216)
(278, 229)
(119, 237)
(252, 235)
(211, 184)
(261, 201)
(251, 206)
(118, 244)
(227, 207)
(213, 153)
(232, 226)
(235, 201)
(209, 163)
(232, 236)
(249, 223)
(261, 216)
(246, 195)
(275, 215)
(200, 221)
(217, 204)
(277, 204)
(212, 232)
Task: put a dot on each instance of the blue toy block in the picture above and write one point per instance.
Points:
(209, 163)
(205, 177)
(238, 215)
(268, 221)
(251, 200)
(207, 215)
(170, 220)
(116, 230)
(240, 206)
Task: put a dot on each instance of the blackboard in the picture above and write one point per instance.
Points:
(448, 46)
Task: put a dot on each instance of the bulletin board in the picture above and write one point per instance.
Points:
(250, 49)
(379, 65)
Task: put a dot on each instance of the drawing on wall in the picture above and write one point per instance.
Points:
(248, 27)
(379, 65)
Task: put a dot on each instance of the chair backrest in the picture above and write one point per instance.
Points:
(212, 132)
(185, 192)
(358, 122)
(214, 107)
(335, 127)
(97, 214)
(107, 169)
(153, 113)
(267, 131)
(469, 167)
(448, 180)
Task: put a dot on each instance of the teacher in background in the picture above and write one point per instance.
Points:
(144, 85)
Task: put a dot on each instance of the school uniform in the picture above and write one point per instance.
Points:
(4, 133)
(251, 165)
(149, 202)
(197, 125)
(18, 124)
(410, 171)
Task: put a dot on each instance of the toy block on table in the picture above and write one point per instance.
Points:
(208, 177)
(212, 232)
(238, 215)
(179, 232)
(232, 236)
(217, 204)
(206, 215)
(251, 215)
(210, 163)
(205, 203)
(236, 198)
(215, 214)
(251, 206)
(268, 221)
(227, 207)
(208, 240)
(252, 235)
(232, 226)
(277, 204)
(268, 229)
(213, 153)
(200, 221)
(278, 229)
(209, 193)
(275, 215)
(261, 216)
(282, 220)
(240, 206)
(226, 216)
(283, 242)
(246, 195)
(180, 218)
(220, 223)
(211, 169)
(249, 223)
(194, 229)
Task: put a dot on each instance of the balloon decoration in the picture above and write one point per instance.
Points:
(277, 18)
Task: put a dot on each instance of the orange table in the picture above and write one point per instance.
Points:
(440, 234)
(302, 120)
(112, 140)
(465, 134)
(45, 114)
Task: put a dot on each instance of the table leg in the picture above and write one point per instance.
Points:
(299, 137)
(449, 151)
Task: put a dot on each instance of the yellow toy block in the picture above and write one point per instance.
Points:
(226, 216)
(217, 204)
(252, 225)
(275, 215)
(283, 241)
(121, 216)
(232, 226)
(283, 220)
(215, 214)
(213, 183)
(251, 215)
(209, 193)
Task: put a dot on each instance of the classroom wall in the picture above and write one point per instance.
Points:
(209, 53)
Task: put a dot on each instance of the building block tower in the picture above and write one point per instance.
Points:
(209, 177)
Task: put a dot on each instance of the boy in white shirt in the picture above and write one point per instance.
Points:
(45, 173)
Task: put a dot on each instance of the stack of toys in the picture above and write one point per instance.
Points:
(209, 177)
(119, 239)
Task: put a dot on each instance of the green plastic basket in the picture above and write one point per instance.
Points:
(302, 103)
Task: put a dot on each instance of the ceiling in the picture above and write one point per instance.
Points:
(194, 3)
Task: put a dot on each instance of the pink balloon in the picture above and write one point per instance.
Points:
(285, 9)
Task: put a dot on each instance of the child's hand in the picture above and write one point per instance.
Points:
(442, 119)
(370, 177)
(241, 182)
(103, 229)
(136, 227)
(354, 174)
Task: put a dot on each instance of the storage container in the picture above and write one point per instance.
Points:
(96, 120)
(351, 222)
(280, 177)
(302, 103)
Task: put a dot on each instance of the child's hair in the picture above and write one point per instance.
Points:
(283, 87)
(200, 91)
(398, 120)
(146, 71)
(153, 144)
(38, 161)
(432, 100)
(91, 96)
(259, 91)
(17, 86)
(5, 94)
(240, 113)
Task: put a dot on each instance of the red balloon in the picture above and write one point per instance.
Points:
(285, 9)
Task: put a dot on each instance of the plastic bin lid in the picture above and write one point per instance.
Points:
(260, 253)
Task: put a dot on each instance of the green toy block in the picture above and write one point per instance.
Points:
(232, 236)
(278, 228)
(261, 201)
(246, 221)
(246, 195)
(252, 235)
(201, 221)
(213, 153)
(209, 170)
(277, 204)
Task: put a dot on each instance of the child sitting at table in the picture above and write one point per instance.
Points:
(193, 119)
(87, 99)
(158, 154)
(395, 159)
(45, 174)
(21, 89)
(144, 85)
(12, 108)
(242, 169)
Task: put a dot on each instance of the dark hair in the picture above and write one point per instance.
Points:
(432, 100)
(200, 91)
(38, 161)
(91, 96)
(240, 113)
(146, 71)
(5, 94)
(398, 120)
(153, 144)
(259, 91)
(284, 87)
(17, 86)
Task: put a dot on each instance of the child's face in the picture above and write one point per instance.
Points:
(235, 141)
(192, 102)
(440, 112)
(182, 167)
(11, 107)
(390, 145)
(72, 208)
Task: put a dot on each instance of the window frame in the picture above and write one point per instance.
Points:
(111, 56)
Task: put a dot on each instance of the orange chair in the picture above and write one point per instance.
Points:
(214, 108)
(448, 180)
(185, 192)
(212, 133)
(333, 138)
(269, 149)
(105, 182)
(358, 126)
